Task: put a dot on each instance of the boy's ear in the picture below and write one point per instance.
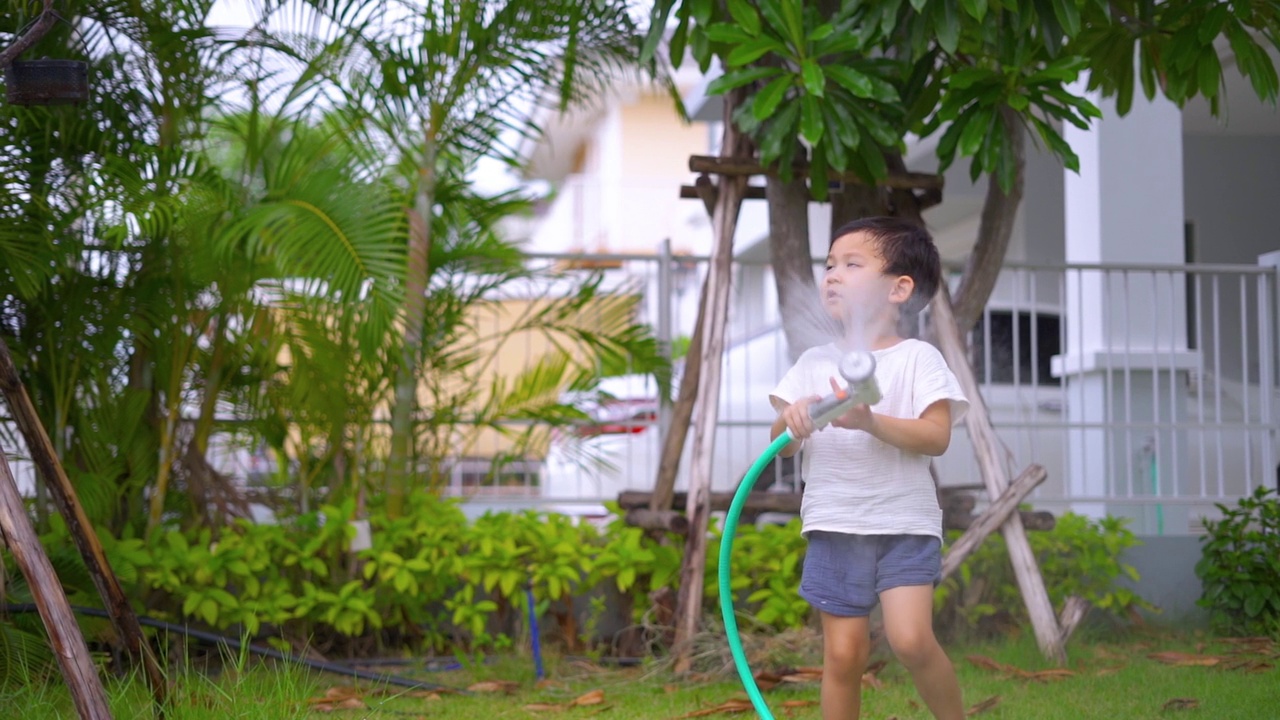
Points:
(903, 287)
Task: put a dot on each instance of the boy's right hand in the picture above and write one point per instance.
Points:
(796, 417)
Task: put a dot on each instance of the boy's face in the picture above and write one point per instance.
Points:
(855, 284)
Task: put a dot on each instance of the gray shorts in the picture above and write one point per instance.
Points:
(844, 574)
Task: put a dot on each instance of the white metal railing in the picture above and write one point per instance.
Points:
(1149, 391)
(1146, 390)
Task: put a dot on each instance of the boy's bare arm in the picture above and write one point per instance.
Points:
(930, 434)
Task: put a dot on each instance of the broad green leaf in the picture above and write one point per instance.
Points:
(739, 78)
(1209, 70)
(767, 100)
(852, 80)
(745, 15)
(873, 160)
(1213, 23)
(752, 51)
(820, 33)
(781, 130)
(727, 33)
(1068, 16)
(701, 10)
(810, 120)
(975, 130)
(969, 77)
(977, 9)
(814, 81)
(946, 23)
(881, 130)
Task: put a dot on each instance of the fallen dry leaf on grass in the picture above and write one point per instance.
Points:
(351, 703)
(803, 675)
(987, 663)
(1182, 659)
(595, 697)
(1181, 704)
(727, 707)
(1250, 666)
(767, 680)
(1109, 670)
(548, 685)
(337, 694)
(870, 680)
(983, 706)
(487, 686)
(544, 707)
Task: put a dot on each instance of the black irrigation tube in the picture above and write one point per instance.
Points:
(235, 644)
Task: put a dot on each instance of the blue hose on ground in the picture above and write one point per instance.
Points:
(726, 558)
(534, 632)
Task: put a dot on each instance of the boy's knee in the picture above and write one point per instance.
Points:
(846, 658)
(913, 647)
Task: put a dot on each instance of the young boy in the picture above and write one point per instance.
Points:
(870, 512)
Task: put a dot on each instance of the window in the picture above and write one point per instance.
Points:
(1032, 354)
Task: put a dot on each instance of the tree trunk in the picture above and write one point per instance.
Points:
(403, 429)
(987, 447)
(999, 210)
(79, 528)
(724, 223)
(805, 322)
(65, 639)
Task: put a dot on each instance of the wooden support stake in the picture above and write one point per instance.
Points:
(743, 167)
(68, 644)
(991, 520)
(681, 414)
(724, 223)
(987, 447)
(1073, 612)
(666, 520)
(123, 619)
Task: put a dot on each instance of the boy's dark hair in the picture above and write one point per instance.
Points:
(907, 249)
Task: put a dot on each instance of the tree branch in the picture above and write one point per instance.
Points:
(43, 25)
(999, 210)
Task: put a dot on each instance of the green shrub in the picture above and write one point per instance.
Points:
(1239, 566)
(1079, 556)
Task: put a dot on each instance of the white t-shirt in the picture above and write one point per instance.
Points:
(855, 483)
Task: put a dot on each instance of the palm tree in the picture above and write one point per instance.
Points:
(442, 83)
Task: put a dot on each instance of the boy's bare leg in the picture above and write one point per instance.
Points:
(908, 624)
(846, 642)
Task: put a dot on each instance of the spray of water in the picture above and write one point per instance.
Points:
(819, 321)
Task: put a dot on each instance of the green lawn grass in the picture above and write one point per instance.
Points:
(1113, 678)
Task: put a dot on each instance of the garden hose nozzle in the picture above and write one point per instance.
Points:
(858, 369)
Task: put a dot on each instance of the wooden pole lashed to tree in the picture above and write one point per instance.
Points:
(1049, 636)
(123, 619)
(65, 638)
(724, 222)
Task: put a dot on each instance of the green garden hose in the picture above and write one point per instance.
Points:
(726, 552)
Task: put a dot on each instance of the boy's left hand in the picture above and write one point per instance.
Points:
(859, 416)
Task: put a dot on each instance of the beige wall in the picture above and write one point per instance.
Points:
(656, 142)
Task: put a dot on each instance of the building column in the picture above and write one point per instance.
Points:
(1125, 354)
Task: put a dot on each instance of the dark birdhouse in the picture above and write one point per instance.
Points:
(46, 82)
